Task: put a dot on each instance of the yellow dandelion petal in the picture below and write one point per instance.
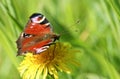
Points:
(39, 72)
(22, 70)
(50, 70)
(33, 73)
(64, 67)
(56, 58)
(45, 72)
(53, 71)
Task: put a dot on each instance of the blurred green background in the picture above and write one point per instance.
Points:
(97, 36)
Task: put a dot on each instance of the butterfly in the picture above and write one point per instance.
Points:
(37, 35)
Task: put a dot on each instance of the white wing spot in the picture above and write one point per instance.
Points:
(42, 19)
(47, 24)
(33, 23)
(36, 21)
(39, 50)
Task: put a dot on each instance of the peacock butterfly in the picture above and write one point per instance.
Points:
(37, 36)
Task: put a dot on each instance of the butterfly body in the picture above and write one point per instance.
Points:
(37, 35)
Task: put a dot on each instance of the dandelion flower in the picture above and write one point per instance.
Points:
(56, 58)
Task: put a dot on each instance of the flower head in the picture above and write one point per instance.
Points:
(57, 58)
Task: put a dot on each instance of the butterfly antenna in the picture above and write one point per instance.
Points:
(77, 22)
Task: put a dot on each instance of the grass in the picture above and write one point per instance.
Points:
(97, 34)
